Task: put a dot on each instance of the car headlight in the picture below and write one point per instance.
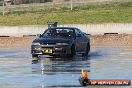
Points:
(62, 44)
(35, 43)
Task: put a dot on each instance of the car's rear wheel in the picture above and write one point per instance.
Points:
(87, 50)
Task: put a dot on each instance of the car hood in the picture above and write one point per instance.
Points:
(54, 40)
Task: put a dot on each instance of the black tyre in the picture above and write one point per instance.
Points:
(86, 82)
(34, 56)
(87, 50)
(73, 51)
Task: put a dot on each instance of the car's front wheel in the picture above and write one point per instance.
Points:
(73, 51)
(34, 56)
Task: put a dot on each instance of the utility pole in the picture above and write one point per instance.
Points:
(3, 7)
(71, 4)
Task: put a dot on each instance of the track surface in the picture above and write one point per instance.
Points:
(17, 70)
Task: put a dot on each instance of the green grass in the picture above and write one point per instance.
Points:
(106, 12)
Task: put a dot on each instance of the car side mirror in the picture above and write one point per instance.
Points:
(84, 33)
(79, 35)
(39, 35)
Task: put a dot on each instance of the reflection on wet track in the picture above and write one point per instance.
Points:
(17, 70)
(63, 65)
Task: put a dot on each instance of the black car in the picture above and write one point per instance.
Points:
(64, 41)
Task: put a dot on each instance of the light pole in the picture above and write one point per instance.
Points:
(71, 4)
(3, 7)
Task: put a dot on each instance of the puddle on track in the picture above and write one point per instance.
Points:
(17, 70)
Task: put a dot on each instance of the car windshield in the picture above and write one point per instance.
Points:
(59, 32)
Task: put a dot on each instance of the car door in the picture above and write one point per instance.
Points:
(79, 40)
(84, 40)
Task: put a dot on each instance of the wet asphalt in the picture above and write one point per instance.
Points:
(17, 70)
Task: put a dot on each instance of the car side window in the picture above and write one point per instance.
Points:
(78, 32)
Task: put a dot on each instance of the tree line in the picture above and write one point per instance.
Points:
(26, 1)
(29, 1)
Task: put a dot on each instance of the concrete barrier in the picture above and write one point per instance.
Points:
(19, 31)
(93, 29)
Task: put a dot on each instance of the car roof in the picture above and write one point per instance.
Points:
(62, 28)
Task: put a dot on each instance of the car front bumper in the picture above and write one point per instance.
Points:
(56, 50)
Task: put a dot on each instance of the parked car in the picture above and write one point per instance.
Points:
(66, 41)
